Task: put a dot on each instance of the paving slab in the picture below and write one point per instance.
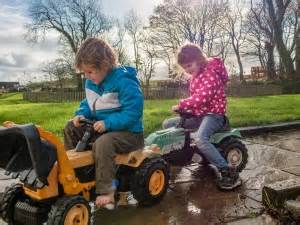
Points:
(293, 170)
(261, 220)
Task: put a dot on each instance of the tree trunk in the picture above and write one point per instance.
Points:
(298, 53)
(241, 74)
(281, 71)
(285, 57)
(79, 81)
(147, 87)
(238, 57)
(276, 21)
(60, 83)
(271, 73)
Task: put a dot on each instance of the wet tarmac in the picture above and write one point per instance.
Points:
(193, 198)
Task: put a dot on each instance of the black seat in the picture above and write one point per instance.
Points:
(23, 154)
(226, 125)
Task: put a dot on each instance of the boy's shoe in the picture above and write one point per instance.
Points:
(229, 179)
(131, 200)
(126, 198)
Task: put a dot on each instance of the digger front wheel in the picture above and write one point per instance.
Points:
(150, 181)
(71, 210)
(8, 201)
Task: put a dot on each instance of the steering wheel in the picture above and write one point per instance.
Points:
(184, 114)
(85, 121)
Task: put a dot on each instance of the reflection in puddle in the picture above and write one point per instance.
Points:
(193, 209)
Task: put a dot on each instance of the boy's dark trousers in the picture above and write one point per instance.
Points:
(105, 148)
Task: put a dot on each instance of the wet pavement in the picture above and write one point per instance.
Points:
(193, 198)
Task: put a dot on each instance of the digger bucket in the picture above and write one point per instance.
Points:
(25, 156)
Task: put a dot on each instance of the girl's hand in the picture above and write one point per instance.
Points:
(175, 108)
(99, 126)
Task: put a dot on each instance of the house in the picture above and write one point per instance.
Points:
(258, 73)
(9, 86)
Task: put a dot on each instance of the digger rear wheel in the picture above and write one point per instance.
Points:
(235, 152)
(71, 210)
(150, 181)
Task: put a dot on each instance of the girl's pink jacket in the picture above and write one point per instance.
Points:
(207, 90)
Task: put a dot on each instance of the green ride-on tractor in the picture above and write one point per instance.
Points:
(178, 146)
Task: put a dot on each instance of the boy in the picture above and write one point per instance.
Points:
(115, 93)
(207, 102)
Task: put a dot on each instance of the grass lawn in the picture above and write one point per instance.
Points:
(241, 111)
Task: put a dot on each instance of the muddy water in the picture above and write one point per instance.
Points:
(197, 202)
(193, 198)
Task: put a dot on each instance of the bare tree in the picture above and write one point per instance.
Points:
(74, 20)
(277, 10)
(290, 25)
(57, 70)
(164, 29)
(163, 52)
(117, 38)
(234, 25)
(165, 34)
(176, 21)
(298, 47)
(148, 63)
(298, 52)
(261, 37)
(134, 27)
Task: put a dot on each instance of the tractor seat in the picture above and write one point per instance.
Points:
(226, 125)
(23, 154)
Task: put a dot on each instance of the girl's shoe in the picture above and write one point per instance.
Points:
(229, 179)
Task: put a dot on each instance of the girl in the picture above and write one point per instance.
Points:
(207, 102)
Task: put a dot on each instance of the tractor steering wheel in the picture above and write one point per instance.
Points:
(85, 121)
(184, 115)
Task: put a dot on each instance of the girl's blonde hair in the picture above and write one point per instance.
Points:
(96, 53)
(189, 53)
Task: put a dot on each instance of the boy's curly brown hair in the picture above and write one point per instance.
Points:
(96, 53)
(189, 53)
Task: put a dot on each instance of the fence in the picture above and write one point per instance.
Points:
(253, 90)
(48, 96)
(155, 93)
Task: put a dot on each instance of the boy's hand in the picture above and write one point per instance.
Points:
(76, 120)
(175, 108)
(99, 126)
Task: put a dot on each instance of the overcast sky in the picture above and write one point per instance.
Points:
(21, 61)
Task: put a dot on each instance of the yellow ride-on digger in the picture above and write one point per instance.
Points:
(55, 185)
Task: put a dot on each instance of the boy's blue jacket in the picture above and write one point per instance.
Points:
(118, 101)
